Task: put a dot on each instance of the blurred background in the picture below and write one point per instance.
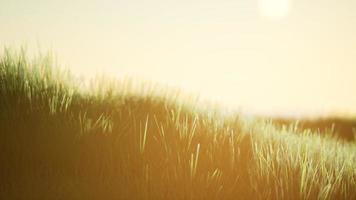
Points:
(266, 57)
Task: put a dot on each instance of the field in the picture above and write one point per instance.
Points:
(60, 139)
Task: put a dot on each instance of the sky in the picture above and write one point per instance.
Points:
(269, 57)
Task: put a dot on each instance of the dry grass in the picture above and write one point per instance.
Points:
(113, 142)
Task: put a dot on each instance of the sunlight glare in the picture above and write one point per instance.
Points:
(274, 9)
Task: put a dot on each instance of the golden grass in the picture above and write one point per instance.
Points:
(127, 140)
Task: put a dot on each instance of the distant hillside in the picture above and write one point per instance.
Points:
(343, 128)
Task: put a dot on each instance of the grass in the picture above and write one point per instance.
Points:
(130, 140)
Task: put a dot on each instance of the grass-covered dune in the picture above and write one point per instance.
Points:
(127, 141)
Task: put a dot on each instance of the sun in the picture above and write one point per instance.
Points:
(274, 9)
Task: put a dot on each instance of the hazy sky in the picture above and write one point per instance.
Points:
(265, 56)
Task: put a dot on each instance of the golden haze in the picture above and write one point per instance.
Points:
(300, 64)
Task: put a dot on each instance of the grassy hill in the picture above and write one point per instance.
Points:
(135, 141)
